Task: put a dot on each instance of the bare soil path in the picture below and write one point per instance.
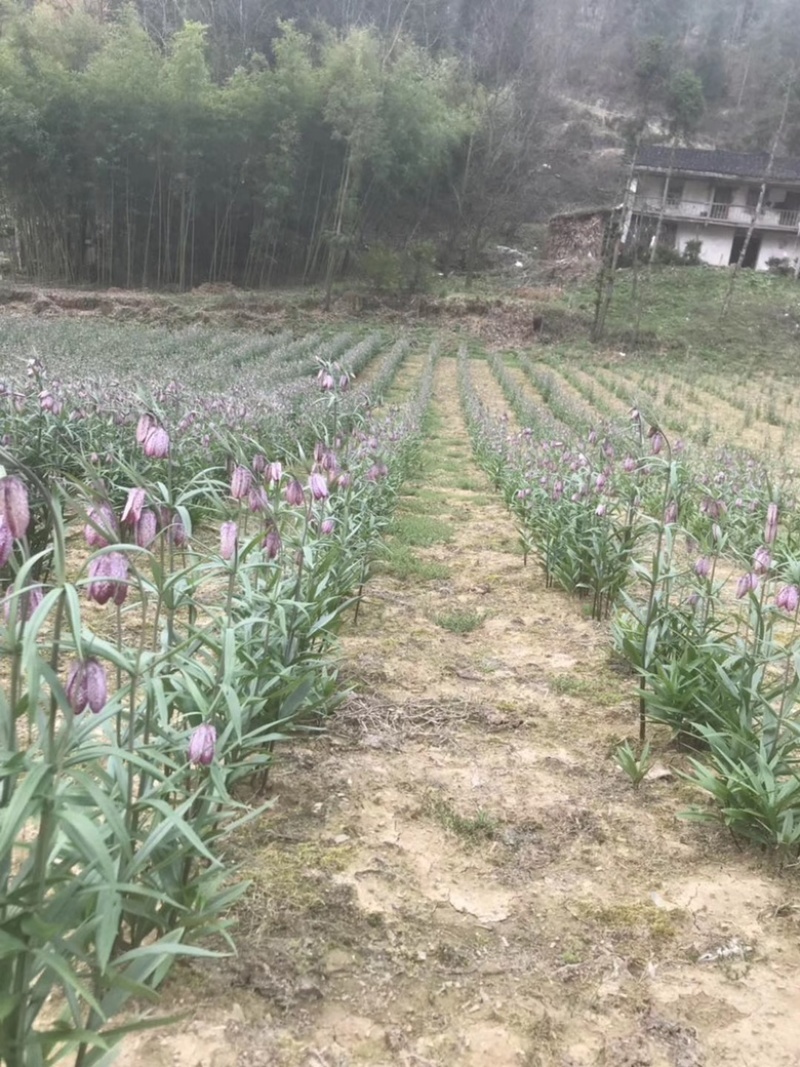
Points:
(457, 874)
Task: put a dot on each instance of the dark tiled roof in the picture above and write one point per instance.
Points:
(712, 161)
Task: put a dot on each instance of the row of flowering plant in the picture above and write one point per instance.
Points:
(622, 514)
(174, 624)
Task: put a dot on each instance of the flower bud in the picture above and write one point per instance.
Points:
(202, 745)
(629, 464)
(600, 510)
(294, 493)
(14, 505)
(156, 445)
(274, 472)
(259, 463)
(101, 526)
(657, 443)
(228, 534)
(327, 526)
(788, 599)
(771, 525)
(241, 481)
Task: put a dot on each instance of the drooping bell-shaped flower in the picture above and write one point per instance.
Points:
(330, 461)
(14, 505)
(241, 481)
(145, 424)
(87, 686)
(656, 443)
(294, 493)
(108, 578)
(318, 486)
(6, 542)
(788, 599)
(771, 525)
(178, 532)
(156, 445)
(274, 472)
(259, 463)
(27, 602)
(257, 500)
(327, 526)
(101, 526)
(748, 583)
(762, 561)
(702, 567)
(228, 534)
(146, 528)
(132, 511)
(629, 464)
(272, 543)
(600, 511)
(202, 745)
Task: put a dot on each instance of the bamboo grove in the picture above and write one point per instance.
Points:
(125, 162)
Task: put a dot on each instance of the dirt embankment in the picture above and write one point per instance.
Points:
(521, 317)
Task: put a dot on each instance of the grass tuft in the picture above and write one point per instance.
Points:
(460, 622)
(482, 826)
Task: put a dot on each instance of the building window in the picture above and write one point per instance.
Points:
(753, 196)
(675, 193)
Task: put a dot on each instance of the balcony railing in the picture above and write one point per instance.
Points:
(732, 214)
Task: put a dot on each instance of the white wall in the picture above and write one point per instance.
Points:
(781, 245)
(717, 242)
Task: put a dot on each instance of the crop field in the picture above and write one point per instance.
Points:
(403, 692)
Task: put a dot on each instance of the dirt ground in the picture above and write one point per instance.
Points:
(458, 875)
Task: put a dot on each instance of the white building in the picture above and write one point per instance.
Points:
(712, 197)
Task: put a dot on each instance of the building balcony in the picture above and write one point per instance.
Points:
(701, 211)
